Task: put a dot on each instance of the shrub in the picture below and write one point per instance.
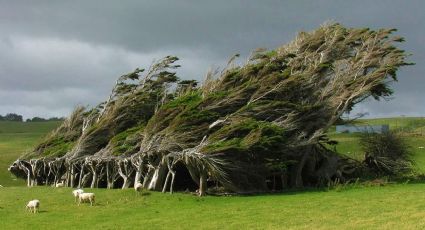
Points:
(387, 153)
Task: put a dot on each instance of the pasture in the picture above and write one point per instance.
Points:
(393, 206)
(16, 138)
(411, 128)
(388, 207)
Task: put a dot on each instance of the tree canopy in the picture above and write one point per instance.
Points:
(247, 128)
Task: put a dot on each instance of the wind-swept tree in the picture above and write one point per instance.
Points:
(246, 128)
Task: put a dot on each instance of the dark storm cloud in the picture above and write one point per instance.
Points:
(57, 54)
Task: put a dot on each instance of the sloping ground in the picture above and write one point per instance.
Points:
(388, 207)
(411, 128)
(16, 138)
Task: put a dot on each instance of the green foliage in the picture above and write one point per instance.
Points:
(387, 153)
(11, 117)
(266, 137)
(217, 95)
(233, 144)
(189, 100)
(258, 139)
(388, 144)
(126, 142)
(236, 129)
(60, 140)
(277, 106)
(57, 147)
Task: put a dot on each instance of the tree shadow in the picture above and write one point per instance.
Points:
(145, 193)
(292, 191)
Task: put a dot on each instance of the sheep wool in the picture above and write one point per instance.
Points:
(76, 193)
(33, 206)
(138, 187)
(86, 197)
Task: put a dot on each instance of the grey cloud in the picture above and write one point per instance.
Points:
(51, 76)
(54, 46)
(35, 63)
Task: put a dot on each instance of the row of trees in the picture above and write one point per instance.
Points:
(19, 118)
(40, 119)
(252, 128)
(11, 117)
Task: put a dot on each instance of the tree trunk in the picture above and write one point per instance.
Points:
(85, 179)
(81, 176)
(94, 180)
(202, 184)
(111, 174)
(137, 177)
(28, 177)
(109, 185)
(154, 179)
(284, 179)
(173, 175)
(158, 178)
(164, 188)
(73, 175)
(126, 183)
(137, 162)
(148, 177)
(55, 181)
(125, 169)
(298, 176)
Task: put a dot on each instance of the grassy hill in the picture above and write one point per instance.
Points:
(16, 138)
(393, 206)
(412, 128)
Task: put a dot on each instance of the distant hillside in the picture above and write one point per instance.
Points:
(412, 128)
(30, 127)
(15, 139)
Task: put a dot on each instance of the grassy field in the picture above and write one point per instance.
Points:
(394, 206)
(16, 138)
(388, 207)
(412, 128)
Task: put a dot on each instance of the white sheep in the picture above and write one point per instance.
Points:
(33, 206)
(76, 193)
(84, 197)
(138, 187)
(60, 185)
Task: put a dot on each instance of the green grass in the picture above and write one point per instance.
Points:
(394, 206)
(27, 127)
(412, 129)
(388, 207)
(405, 124)
(16, 138)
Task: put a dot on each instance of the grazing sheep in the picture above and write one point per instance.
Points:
(138, 187)
(84, 197)
(76, 193)
(33, 206)
(60, 185)
(1, 186)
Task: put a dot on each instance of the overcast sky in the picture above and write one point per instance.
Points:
(55, 55)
